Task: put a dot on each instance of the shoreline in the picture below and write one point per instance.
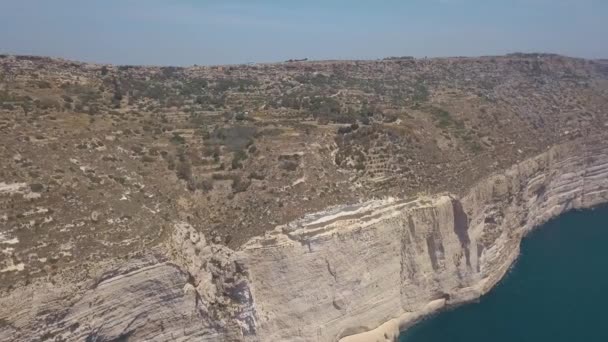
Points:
(480, 289)
(350, 273)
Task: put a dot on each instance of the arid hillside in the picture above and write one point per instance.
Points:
(99, 161)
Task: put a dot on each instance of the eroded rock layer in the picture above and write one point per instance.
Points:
(356, 273)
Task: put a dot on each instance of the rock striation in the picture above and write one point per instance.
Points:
(351, 273)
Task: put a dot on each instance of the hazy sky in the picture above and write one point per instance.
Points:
(182, 32)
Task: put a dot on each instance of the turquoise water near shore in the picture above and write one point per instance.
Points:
(555, 292)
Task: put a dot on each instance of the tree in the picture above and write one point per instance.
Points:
(184, 171)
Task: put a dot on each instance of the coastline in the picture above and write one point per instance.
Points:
(587, 195)
(350, 273)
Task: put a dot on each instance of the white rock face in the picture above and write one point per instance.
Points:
(362, 264)
(352, 269)
(353, 273)
(143, 302)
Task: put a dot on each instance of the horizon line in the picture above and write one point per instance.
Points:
(301, 60)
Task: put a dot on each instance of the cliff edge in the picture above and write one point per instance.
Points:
(350, 273)
(300, 201)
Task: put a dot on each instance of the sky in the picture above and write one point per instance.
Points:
(188, 32)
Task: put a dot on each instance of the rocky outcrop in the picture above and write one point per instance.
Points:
(356, 273)
(351, 269)
(147, 300)
(199, 293)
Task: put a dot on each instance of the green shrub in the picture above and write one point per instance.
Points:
(421, 93)
(240, 185)
(184, 171)
(237, 159)
(205, 185)
(177, 139)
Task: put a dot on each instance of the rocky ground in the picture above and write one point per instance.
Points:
(100, 161)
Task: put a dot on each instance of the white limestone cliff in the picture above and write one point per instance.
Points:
(351, 273)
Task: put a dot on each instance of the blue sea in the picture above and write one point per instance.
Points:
(556, 291)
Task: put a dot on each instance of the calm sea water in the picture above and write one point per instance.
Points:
(556, 292)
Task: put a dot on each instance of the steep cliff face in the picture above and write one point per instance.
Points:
(356, 273)
(333, 275)
(151, 300)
